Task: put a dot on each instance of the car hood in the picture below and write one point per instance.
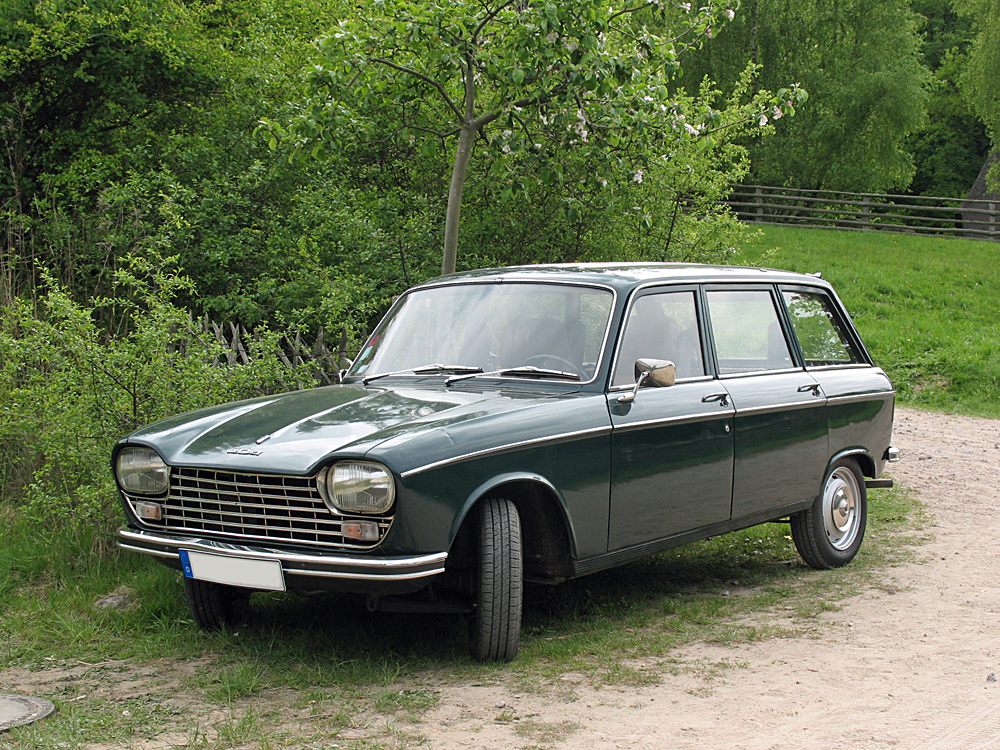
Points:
(293, 433)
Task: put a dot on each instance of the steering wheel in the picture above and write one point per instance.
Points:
(564, 364)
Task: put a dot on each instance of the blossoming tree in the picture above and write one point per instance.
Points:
(527, 79)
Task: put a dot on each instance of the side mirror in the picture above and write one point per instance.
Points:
(662, 373)
(659, 373)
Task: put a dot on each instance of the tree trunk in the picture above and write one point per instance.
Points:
(465, 141)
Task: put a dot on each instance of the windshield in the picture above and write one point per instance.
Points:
(491, 327)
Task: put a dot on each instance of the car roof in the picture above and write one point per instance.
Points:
(625, 276)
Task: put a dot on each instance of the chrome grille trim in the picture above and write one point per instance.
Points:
(257, 507)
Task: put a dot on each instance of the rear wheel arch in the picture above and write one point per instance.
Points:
(862, 457)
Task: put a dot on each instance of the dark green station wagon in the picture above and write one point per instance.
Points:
(526, 424)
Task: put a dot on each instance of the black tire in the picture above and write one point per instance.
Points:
(214, 605)
(829, 534)
(495, 629)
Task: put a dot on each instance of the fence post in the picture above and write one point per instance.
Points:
(866, 208)
(993, 220)
(758, 201)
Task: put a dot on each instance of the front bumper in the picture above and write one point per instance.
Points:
(303, 571)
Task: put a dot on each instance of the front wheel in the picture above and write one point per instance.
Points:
(495, 629)
(829, 534)
(214, 605)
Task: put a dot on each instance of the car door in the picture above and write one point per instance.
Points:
(672, 447)
(781, 443)
(859, 395)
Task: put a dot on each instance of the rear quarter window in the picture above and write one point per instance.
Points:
(821, 333)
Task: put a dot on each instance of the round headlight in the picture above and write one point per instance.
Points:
(142, 471)
(357, 487)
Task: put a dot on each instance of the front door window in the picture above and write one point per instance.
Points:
(661, 326)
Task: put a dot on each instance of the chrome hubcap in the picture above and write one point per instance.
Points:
(840, 503)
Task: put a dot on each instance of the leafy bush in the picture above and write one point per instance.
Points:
(69, 389)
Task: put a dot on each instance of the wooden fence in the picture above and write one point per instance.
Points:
(324, 362)
(975, 219)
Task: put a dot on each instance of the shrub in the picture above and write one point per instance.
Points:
(69, 389)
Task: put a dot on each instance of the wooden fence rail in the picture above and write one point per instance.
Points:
(975, 219)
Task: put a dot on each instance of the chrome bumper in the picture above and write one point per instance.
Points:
(373, 569)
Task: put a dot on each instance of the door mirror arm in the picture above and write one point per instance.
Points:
(628, 398)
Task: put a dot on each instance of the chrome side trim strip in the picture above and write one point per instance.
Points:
(508, 447)
(782, 407)
(757, 373)
(675, 420)
(845, 366)
(882, 395)
(680, 381)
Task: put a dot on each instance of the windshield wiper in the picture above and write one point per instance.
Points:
(425, 369)
(525, 371)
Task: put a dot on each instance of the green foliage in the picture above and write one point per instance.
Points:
(69, 389)
(669, 209)
(132, 168)
(950, 149)
(77, 74)
(980, 79)
(576, 95)
(860, 62)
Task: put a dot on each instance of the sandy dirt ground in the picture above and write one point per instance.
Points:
(912, 663)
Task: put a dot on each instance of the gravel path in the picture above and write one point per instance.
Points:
(910, 665)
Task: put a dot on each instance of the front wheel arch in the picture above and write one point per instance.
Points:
(547, 536)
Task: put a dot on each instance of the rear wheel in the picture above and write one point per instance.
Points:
(495, 631)
(829, 534)
(214, 605)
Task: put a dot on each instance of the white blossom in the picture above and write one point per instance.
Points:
(637, 177)
(551, 38)
(731, 14)
(570, 46)
(776, 113)
(686, 7)
(762, 121)
(691, 129)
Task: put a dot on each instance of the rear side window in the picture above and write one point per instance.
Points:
(820, 332)
(747, 331)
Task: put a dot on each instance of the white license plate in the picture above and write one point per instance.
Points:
(233, 571)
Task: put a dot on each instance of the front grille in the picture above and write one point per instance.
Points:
(257, 507)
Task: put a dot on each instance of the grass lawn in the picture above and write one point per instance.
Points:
(928, 308)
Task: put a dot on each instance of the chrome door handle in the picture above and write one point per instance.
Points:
(722, 398)
(814, 387)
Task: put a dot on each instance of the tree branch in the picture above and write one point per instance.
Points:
(490, 16)
(625, 11)
(420, 76)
